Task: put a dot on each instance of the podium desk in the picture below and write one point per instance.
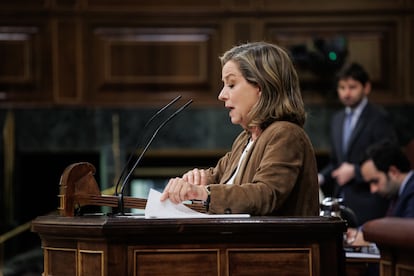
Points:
(359, 264)
(132, 245)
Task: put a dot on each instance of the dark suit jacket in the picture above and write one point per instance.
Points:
(373, 126)
(404, 207)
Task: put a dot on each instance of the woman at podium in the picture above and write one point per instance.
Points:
(271, 168)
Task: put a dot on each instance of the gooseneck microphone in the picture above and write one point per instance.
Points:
(121, 193)
(140, 140)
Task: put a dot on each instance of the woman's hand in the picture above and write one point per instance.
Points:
(196, 177)
(179, 190)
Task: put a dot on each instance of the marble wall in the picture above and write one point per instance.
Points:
(92, 129)
(43, 136)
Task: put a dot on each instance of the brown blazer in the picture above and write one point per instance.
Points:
(277, 177)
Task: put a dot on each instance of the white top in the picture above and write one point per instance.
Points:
(245, 151)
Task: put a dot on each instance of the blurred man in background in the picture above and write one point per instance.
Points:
(353, 129)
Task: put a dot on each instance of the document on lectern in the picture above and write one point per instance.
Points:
(166, 209)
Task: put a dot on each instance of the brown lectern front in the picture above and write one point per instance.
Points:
(129, 245)
(132, 245)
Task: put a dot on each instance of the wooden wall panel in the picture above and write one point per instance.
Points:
(132, 63)
(154, 5)
(65, 4)
(331, 5)
(17, 55)
(244, 5)
(23, 4)
(169, 261)
(273, 261)
(67, 61)
(137, 52)
(91, 262)
(243, 31)
(25, 63)
(371, 42)
(55, 256)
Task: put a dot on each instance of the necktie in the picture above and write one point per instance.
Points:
(391, 207)
(347, 130)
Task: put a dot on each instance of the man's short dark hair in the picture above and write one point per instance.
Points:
(386, 154)
(354, 71)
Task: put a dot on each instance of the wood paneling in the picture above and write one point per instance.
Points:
(154, 4)
(16, 50)
(24, 66)
(67, 60)
(54, 257)
(91, 262)
(370, 41)
(129, 52)
(332, 5)
(152, 56)
(271, 261)
(23, 4)
(176, 262)
(65, 3)
(146, 64)
(207, 246)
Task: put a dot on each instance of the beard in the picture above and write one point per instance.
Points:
(391, 189)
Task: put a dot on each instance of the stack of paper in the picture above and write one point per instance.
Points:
(166, 209)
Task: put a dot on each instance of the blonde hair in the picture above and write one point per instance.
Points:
(270, 68)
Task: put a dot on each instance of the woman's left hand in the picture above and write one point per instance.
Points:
(196, 176)
(179, 190)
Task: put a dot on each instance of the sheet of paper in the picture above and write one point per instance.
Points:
(166, 209)
(362, 255)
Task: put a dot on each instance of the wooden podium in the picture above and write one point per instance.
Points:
(101, 245)
(132, 245)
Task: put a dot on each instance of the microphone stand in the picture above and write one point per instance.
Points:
(121, 194)
(140, 140)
